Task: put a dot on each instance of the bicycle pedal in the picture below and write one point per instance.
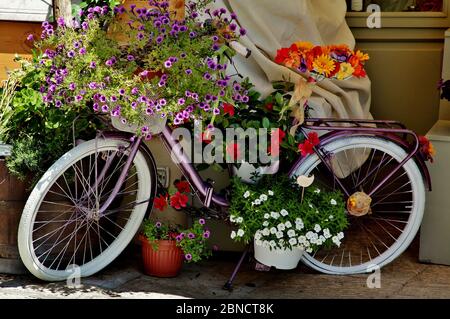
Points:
(262, 267)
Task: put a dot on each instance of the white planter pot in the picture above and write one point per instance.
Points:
(246, 171)
(278, 258)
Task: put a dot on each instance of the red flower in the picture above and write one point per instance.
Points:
(306, 148)
(178, 200)
(228, 109)
(160, 202)
(426, 148)
(183, 186)
(282, 55)
(269, 107)
(313, 138)
(281, 135)
(233, 151)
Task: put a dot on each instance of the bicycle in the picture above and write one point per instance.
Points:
(89, 205)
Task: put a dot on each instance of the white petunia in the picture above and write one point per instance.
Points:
(266, 244)
(307, 244)
(266, 232)
(232, 218)
(340, 235)
(291, 233)
(298, 221)
(266, 216)
(270, 193)
(322, 238)
(309, 250)
(263, 197)
(273, 230)
(257, 202)
(319, 242)
(336, 241)
(326, 233)
(258, 242)
(272, 243)
(317, 228)
(247, 194)
(317, 191)
(274, 215)
(281, 226)
(233, 235)
(333, 202)
(313, 241)
(239, 220)
(315, 236)
(288, 224)
(309, 235)
(266, 223)
(279, 234)
(284, 212)
(293, 241)
(258, 235)
(310, 205)
(240, 232)
(302, 239)
(299, 226)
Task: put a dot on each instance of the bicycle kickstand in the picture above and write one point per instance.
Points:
(229, 284)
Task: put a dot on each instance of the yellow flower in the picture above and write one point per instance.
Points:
(362, 56)
(304, 45)
(323, 65)
(431, 149)
(346, 70)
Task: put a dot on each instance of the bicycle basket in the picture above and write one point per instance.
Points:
(155, 124)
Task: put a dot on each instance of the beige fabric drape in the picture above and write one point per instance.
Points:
(273, 24)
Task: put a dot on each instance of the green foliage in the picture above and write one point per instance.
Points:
(40, 134)
(268, 210)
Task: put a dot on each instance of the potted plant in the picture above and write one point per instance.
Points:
(282, 225)
(165, 247)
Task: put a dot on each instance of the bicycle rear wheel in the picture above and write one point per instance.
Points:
(375, 239)
(60, 225)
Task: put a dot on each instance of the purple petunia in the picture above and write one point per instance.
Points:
(181, 101)
(206, 234)
(140, 36)
(85, 25)
(162, 102)
(72, 86)
(188, 71)
(188, 257)
(158, 224)
(207, 76)
(82, 51)
(144, 129)
(167, 64)
(105, 108)
(192, 34)
(201, 221)
(71, 53)
(191, 236)
(121, 91)
(30, 37)
(134, 91)
(215, 38)
(130, 57)
(242, 32)
(92, 65)
(96, 107)
(92, 85)
(58, 103)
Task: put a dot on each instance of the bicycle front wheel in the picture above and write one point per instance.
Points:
(375, 239)
(61, 227)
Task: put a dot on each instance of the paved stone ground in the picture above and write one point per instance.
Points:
(404, 278)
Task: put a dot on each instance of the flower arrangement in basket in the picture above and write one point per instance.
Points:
(318, 63)
(281, 223)
(170, 69)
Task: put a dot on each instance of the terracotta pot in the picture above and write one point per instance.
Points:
(165, 261)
